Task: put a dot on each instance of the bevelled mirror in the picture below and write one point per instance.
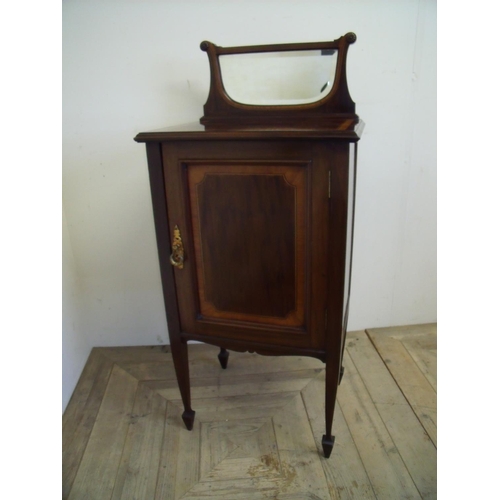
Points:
(286, 85)
(278, 78)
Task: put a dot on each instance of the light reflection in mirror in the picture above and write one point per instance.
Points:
(278, 78)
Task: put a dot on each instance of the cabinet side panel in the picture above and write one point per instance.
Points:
(157, 184)
(353, 151)
(339, 214)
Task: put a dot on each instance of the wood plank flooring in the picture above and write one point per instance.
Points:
(258, 426)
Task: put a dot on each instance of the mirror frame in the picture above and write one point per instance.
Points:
(336, 110)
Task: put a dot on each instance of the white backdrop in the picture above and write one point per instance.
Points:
(131, 66)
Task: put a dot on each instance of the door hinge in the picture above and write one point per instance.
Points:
(329, 184)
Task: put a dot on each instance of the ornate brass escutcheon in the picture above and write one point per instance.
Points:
(177, 257)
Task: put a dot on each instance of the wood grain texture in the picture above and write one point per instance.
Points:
(385, 468)
(97, 472)
(249, 249)
(138, 470)
(344, 471)
(418, 390)
(257, 433)
(81, 413)
(412, 441)
(247, 212)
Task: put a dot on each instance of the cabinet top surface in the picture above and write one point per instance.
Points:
(196, 131)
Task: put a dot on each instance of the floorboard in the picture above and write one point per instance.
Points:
(411, 380)
(258, 427)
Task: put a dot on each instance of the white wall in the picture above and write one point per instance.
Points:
(75, 346)
(133, 66)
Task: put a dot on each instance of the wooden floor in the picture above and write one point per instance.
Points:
(258, 426)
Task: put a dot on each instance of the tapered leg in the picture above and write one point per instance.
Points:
(223, 357)
(332, 382)
(181, 364)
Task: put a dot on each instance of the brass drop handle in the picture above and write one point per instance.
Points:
(177, 256)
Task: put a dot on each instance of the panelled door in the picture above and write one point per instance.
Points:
(248, 222)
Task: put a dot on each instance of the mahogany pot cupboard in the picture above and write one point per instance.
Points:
(254, 212)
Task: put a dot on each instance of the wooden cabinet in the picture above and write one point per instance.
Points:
(254, 233)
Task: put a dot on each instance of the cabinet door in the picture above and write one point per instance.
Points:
(253, 220)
